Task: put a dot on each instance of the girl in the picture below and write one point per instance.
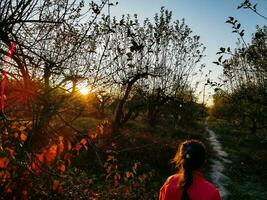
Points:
(189, 183)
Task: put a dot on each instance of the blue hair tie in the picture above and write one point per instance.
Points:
(187, 152)
(189, 148)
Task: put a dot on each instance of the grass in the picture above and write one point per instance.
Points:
(248, 170)
(85, 123)
(153, 147)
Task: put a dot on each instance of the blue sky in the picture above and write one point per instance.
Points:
(205, 17)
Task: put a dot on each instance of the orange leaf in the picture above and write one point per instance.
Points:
(69, 145)
(83, 141)
(60, 147)
(129, 174)
(67, 156)
(23, 137)
(10, 152)
(16, 134)
(60, 138)
(51, 154)
(93, 136)
(68, 162)
(35, 168)
(3, 162)
(4, 175)
(13, 126)
(110, 158)
(57, 187)
(22, 128)
(61, 168)
(78, 147)
(40, 157)
(56, 184)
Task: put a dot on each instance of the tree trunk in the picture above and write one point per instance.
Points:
(118, 116)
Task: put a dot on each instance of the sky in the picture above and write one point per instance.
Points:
(206, 18)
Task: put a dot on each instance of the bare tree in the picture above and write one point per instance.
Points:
(160, 54)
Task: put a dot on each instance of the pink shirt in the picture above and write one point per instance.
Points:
(200, 189)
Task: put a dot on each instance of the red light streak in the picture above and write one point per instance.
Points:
(4, 75)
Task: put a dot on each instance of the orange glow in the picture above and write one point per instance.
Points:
(84, 91)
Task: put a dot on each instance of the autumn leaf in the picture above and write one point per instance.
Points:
(10, 151)
(57, 187)
(51, 154)
(142, 178)
(110, 158)
(78, 147)
(83, 141)
(93, 136)
(117, 176)
(61, 167)
(16, 134)
(35, 166)
(40, 157)
(4, 175)
(22, 128)
(69, 145)
(23, 137)
(129, 174)
(3, 162)
(60, 147)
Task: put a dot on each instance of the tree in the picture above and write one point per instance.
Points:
(158, 56)
(53, 47)
(245, 78)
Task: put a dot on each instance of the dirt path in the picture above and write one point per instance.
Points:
(218, 164)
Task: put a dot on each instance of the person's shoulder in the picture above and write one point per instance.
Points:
(172, 178)
(213, 190)
(209, 184)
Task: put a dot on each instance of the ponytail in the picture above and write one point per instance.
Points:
(186, 182)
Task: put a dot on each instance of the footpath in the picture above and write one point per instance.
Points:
(218, 164)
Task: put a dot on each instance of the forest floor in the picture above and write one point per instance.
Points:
(153, 148)
(229, 155)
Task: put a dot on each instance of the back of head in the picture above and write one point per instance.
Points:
(189, 157)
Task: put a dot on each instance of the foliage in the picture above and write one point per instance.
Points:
(247, 169)
(153, 58)
(49, 149)
(243, 96)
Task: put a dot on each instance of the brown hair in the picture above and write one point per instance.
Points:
(189, 157)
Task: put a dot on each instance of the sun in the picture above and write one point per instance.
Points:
(84, 91)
